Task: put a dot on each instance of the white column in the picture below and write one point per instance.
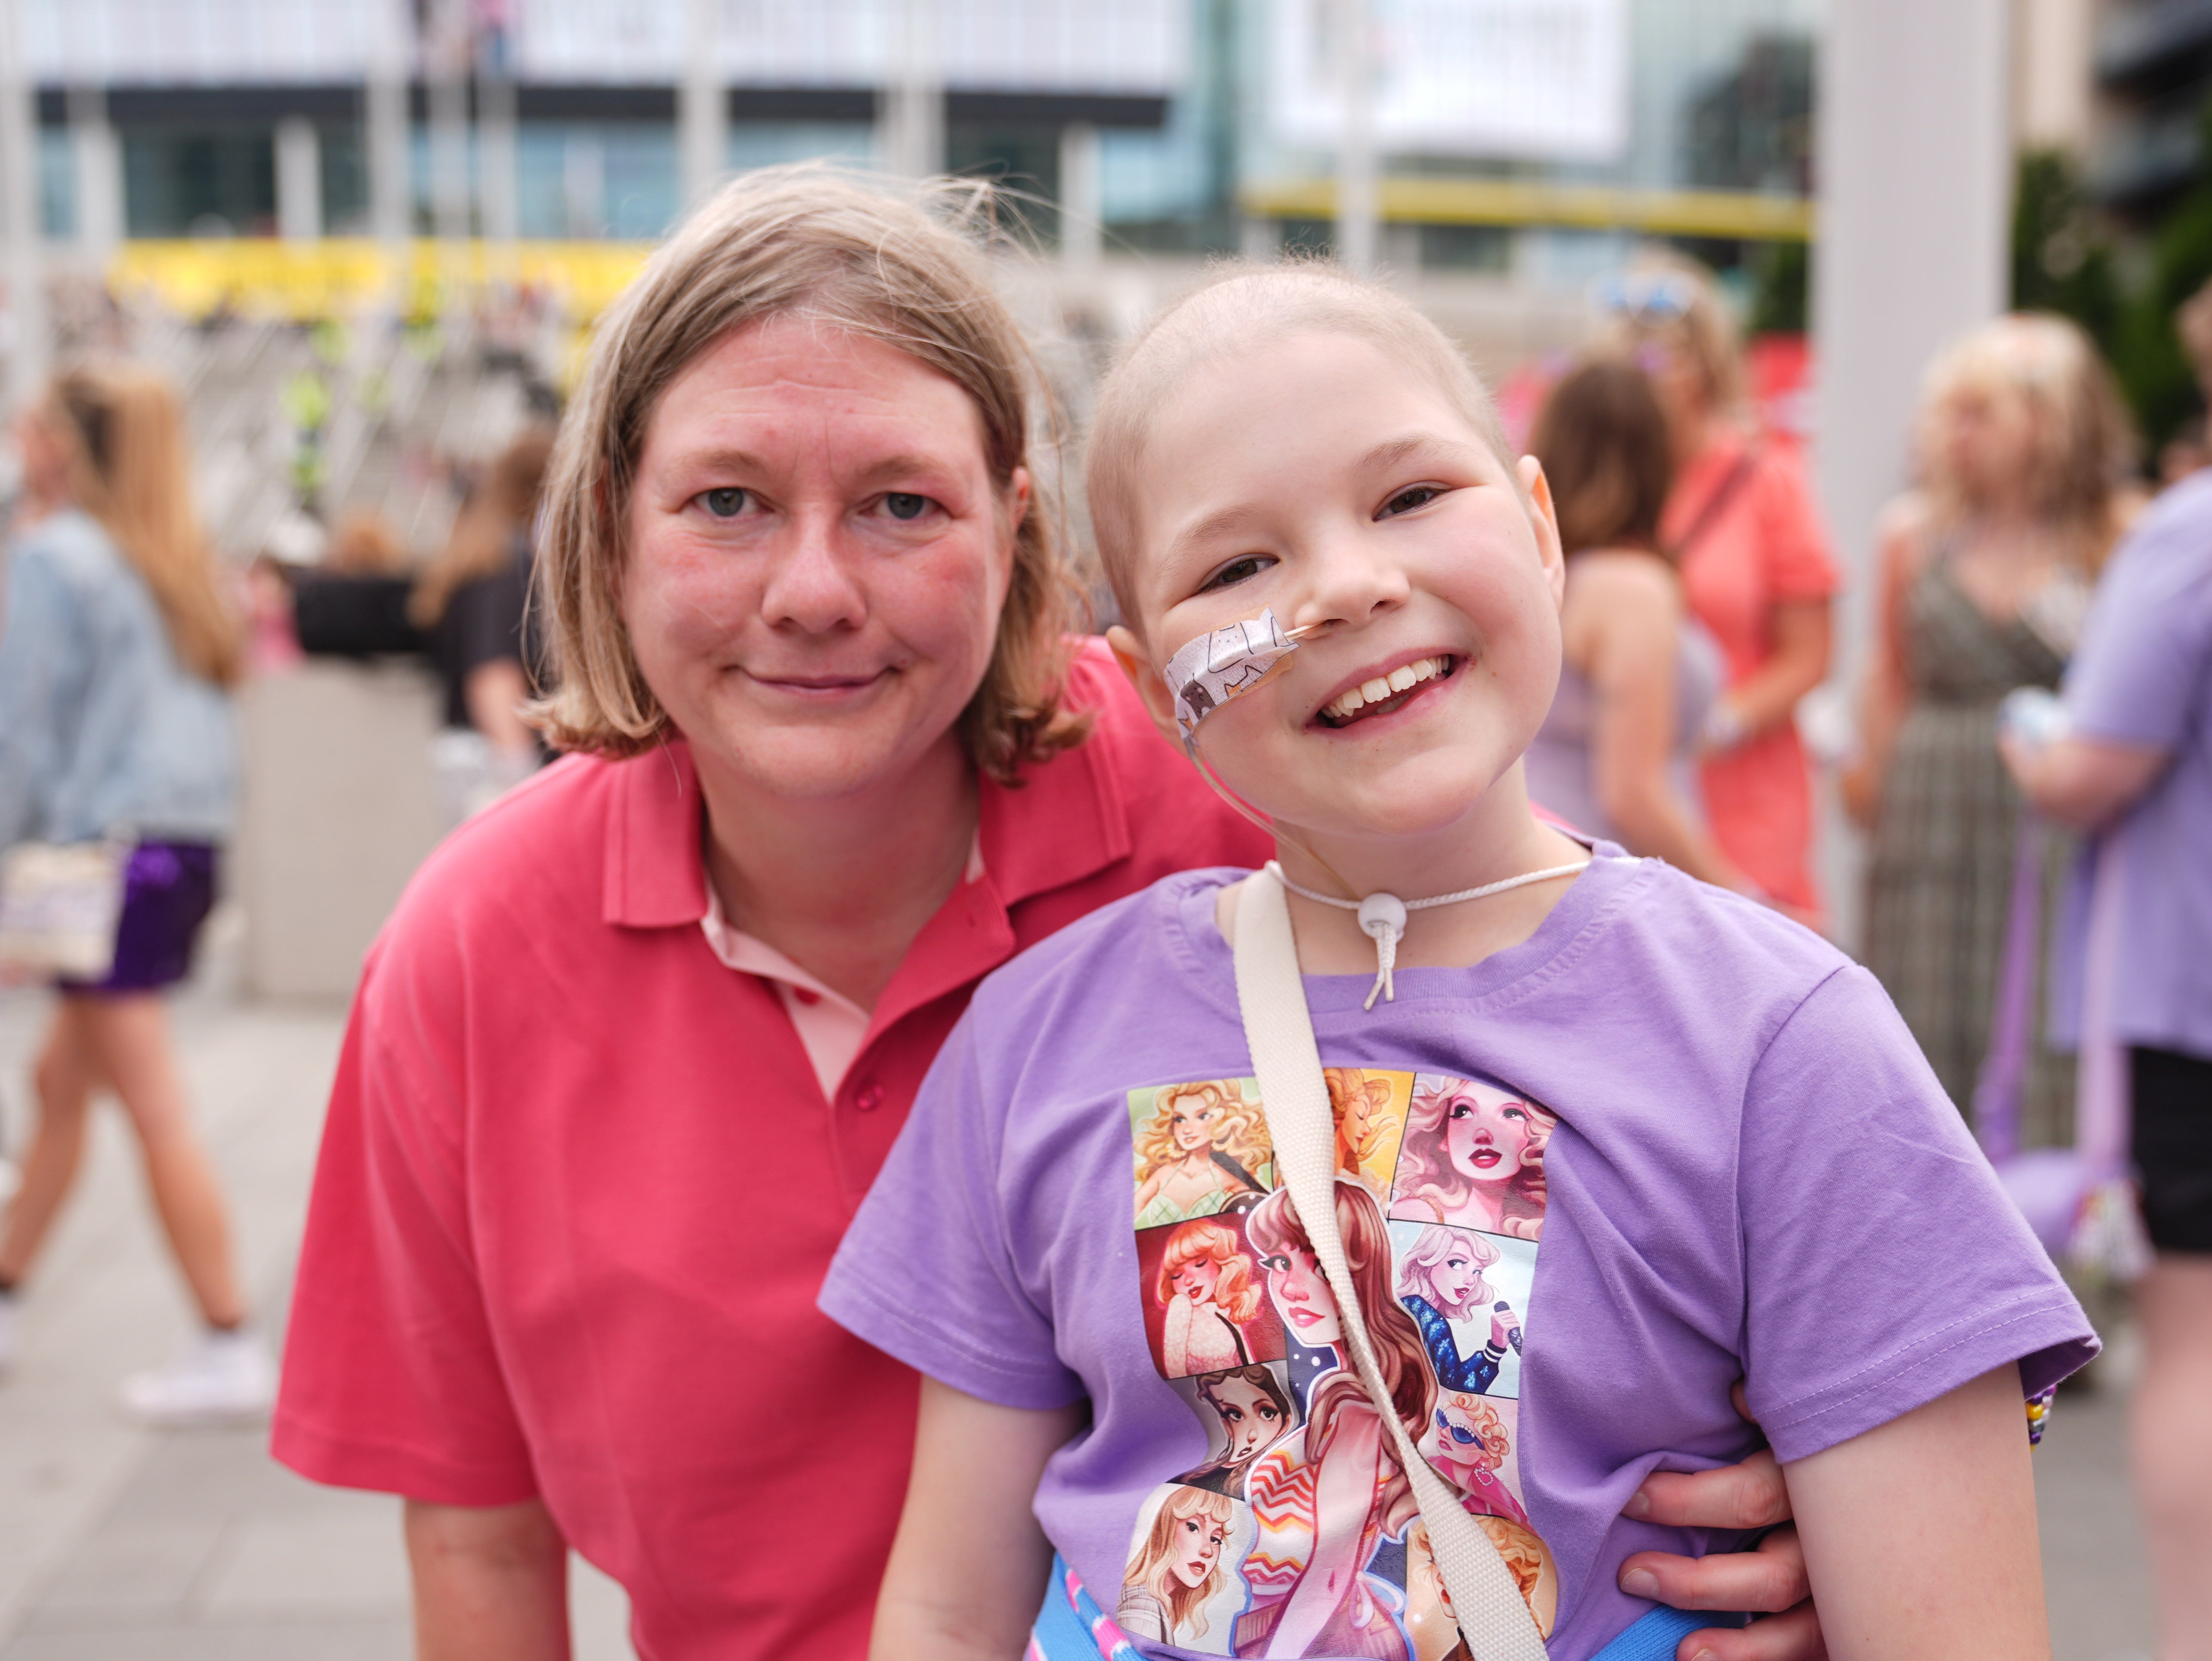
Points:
(390, 165)
(30, 346)
(912, 121)
(1359, 193)
(2054, 62)
(703, 113)
(298, 180)
(449, 72)
(97, 163)
(1082, 201)
(1915, 197)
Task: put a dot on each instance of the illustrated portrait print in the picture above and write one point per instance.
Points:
(1200, 1148)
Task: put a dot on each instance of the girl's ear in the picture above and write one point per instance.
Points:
(1544, 520)
(1151, 685)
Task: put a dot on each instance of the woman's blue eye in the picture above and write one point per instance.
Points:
(905, 504)
(1237, 571)
(725, 504)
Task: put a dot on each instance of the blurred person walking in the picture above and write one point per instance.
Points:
(2135, 768)
(472, 605)
(116, 653)
(1985, 573)
(1617, 756)
(1756, 569)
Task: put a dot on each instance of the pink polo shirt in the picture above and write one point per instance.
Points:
(580, 1184)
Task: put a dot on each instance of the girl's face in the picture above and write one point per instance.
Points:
(1191, 1121)
(1196, 1548)
(1460, 1439)
(818, 557)
(1320, 478)
(1300, 1296)
(1489, 1136)
(1248, 1415)
(1195, 1280)
(1989, 439)
(1454, 1277)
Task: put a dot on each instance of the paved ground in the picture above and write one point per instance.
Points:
(122, 1544)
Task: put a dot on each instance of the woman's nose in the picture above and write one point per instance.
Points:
(811, 586)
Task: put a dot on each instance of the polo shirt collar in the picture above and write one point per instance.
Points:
(1065, 821)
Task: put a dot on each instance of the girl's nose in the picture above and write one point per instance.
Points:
(1351, 579)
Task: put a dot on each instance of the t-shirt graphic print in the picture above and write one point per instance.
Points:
(1299, 1533)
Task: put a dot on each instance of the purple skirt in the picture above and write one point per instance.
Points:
(168, 889)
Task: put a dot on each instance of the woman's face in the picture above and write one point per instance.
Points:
(1197, 1547)
(1248, 1416)
(1455, 1276)
(1191, 1121)
(1488, 1135)
(45, 461)
(1300, 1296)
(1195, 1280)
(1989, 441)
(818, 560)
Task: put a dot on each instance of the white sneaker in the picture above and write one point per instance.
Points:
(225, 1378)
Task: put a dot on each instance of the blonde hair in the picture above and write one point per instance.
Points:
(1427, 1177)
(1702, 332)
(1417, 1267)
(806, 241)
(1234, 1290)
(1246, 306)
(1242, 1134)
(1152, 1569)
(2083, 446)
(121, 430)
(482, 539)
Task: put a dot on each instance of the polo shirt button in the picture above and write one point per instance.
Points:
(868, 1098)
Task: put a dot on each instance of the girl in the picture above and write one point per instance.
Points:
(1197, 1155)
(1256, 1410)
(1471, 1445)
(115, 669)
(1473, 1157)
(1179, 1570)
(1985, 573)
(1205, 1285)
(1735, 1123)
(1617, 754)
(1440, 1281)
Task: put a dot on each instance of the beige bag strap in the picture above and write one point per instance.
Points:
(1485, 1598)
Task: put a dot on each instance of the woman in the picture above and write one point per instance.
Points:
(1203, 1151)
(472, 605)
(1985, 572)
(1474, 1157)
(1756, 571)
(1205, 1285)
(1617, 755)
(1440, 1280)
(633, 1045)
(115, 720)
(1256, 1410)
(2135, 769)
(1177, 1569)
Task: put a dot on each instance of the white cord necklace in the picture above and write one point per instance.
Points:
(1383, 916)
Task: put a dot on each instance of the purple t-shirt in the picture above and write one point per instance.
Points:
(2143, 676)
(1668, 1142)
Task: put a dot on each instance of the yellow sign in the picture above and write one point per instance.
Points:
(1752, 215)
(303, 281)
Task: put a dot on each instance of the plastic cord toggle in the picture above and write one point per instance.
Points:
(1382, 920)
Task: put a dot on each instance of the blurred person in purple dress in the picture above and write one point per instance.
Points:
(116, 652)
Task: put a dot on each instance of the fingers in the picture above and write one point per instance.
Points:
(1751, 1496)
(1792, 1637)
(1764, 1582)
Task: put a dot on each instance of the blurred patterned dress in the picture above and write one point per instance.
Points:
(1940, 882)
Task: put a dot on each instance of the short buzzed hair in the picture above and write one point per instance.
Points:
(1242, 307)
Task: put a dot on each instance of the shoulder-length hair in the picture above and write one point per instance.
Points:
(122, 428)
(1427, 1176)
(804, 242)
(2083, 446)
(1602, 439)
(1417, 1268)
(1185, 1604)
(1205, 1241)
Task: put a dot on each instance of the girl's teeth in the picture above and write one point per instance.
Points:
(1402, 677)
(1374, 690)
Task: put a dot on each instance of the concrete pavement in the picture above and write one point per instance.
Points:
(118, 1543)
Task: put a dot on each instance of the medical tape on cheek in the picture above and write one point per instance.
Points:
(1224, 664)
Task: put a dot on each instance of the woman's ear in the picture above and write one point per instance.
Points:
(1151, 685)
(1544, 520)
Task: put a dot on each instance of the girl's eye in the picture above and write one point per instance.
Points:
(725, 504)
(1420, 496)
(905, 504)
(1237, 571)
